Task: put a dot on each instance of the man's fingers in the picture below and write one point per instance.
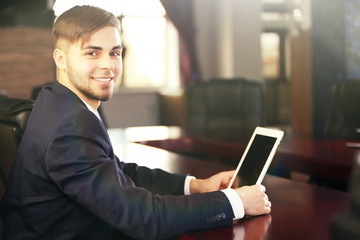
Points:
(261, 187)
(266, 197)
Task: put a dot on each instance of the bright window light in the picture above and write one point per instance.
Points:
(117, 7)
(297, 13)
(270, 54)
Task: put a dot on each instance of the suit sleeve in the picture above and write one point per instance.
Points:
(78, 162)
(155, 180)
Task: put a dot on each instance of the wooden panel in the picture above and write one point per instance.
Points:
(301, 85)
(25, 60)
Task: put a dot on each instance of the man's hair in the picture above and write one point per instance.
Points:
(80, 22)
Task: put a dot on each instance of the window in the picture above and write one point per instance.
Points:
(270, 54)
(151, 57)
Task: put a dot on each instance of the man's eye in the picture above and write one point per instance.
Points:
(115, 54)
(91, 53)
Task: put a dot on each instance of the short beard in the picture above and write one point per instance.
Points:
(91, 95)
(86, 91)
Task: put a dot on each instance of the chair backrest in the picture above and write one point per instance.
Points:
(224, 107)
(13, 116)
(344, 117)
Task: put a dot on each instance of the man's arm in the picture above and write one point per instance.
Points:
(155, 180)
(82, 165)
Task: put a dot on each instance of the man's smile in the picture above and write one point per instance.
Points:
(103, 79)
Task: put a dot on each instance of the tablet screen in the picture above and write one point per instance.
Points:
(255, 159)
(257, 156)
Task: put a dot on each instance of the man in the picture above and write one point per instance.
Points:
(66, 182)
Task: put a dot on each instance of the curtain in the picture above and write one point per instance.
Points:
(181, 14)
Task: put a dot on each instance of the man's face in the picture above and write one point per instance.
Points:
(95, 67)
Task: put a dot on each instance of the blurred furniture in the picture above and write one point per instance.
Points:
(13, 117)
(344, 117)
(345, 225)
(2, 94)
(223, 106)
(172, 108)
(277, 102)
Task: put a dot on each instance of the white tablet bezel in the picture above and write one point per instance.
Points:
(278, 134)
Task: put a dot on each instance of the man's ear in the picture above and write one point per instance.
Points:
(59, 58)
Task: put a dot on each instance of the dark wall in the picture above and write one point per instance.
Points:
(335, 52)
(25, 13)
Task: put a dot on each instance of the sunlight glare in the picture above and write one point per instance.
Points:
(117, 7)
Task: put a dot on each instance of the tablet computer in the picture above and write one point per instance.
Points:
(257, 157)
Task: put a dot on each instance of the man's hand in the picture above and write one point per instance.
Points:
(214, 183)
(254, 199)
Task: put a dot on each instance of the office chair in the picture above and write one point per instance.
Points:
(345, 225)
(344, 117)
(224, 108)
(13, 116)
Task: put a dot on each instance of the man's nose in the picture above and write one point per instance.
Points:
(106, 63)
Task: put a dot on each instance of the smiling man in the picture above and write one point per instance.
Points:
(91, 67)
(66, 182)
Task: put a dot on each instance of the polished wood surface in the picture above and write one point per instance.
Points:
(325, 158)
(329, 159)
(299, 210)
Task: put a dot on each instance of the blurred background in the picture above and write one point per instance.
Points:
(295, 50)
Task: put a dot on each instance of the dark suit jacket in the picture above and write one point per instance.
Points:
(66, 183)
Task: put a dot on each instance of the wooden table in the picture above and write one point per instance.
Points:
(328, 159)
(299, 210)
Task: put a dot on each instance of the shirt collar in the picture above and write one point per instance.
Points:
(92, 110)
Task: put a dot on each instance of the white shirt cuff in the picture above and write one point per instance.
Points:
(187, 184)
(236, 203)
